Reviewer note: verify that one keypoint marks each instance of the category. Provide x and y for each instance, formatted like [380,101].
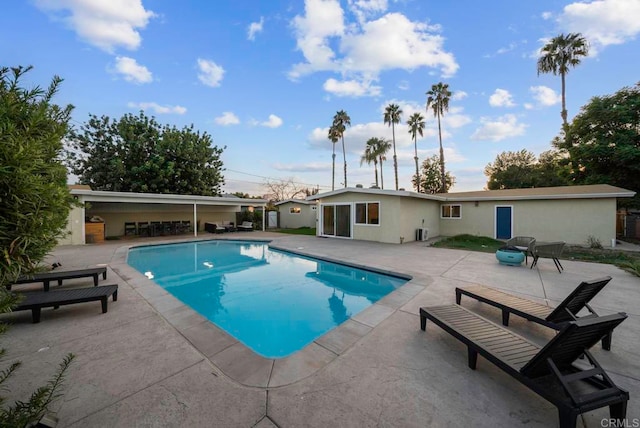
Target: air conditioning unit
[422,234]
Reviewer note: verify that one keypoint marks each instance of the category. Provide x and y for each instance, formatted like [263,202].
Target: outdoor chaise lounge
[551,250]
[59,275]
[36,300]
[245,226]
[550,317]
[550,371]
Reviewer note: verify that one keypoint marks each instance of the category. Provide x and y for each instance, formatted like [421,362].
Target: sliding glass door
[336,220]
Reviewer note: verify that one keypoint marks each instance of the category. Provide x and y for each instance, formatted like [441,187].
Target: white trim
[320,229]
[366,213]
[495,220]
[161,198]
[451,217]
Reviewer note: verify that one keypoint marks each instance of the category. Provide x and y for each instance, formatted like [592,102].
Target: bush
[594,242]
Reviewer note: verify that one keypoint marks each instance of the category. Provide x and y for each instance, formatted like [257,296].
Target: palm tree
[416,125]
[340,122]
[438,100]
[370,155]
[333,136]
[392,116]
[382,148]
[561,53]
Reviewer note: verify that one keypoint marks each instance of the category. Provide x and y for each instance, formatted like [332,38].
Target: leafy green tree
[34,209]
[333,137]
[438,100]
[517,170]
[340,122]
[391,117]
[558,56]
[603,141]
[431,178]
[370,156]
[137,154]
[416,127]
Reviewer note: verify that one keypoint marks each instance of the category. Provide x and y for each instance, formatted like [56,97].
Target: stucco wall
[413,212]
[569,220]
[116,214]
[75,225]
[306,218]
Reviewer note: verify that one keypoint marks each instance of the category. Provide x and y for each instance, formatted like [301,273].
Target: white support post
[195,219]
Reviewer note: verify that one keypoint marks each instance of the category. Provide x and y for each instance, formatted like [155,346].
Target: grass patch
[299,231]
[471,243]
[628,261]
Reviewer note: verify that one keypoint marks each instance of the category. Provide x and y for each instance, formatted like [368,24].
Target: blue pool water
[272,301]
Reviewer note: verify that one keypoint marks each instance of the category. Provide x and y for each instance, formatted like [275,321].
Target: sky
[265,78]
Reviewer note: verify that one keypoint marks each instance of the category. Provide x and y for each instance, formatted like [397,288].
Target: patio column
[195,219]
[264,218]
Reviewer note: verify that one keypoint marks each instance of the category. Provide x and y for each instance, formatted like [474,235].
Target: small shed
[297,213]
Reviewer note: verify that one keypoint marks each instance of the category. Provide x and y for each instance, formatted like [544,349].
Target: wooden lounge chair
[548,371]
[36,300]
[550,317]
[59,275]
[550,250]
[246,226]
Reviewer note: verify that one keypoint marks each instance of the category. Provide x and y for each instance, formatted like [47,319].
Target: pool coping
[237,361]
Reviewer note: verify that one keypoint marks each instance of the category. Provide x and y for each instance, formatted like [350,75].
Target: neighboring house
[568,213]
[117,208]
[296,213]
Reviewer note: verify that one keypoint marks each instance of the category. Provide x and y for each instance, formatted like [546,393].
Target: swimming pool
[272,301]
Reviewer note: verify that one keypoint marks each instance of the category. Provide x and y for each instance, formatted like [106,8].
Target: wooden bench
[36,300]
[549,371]
[60,275]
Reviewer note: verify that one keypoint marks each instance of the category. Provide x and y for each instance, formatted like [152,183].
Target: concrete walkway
[138,366]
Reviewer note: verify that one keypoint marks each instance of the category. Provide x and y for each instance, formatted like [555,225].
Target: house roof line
[295,201]
[158,198]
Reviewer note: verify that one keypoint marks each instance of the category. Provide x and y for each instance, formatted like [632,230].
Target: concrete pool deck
[150,362]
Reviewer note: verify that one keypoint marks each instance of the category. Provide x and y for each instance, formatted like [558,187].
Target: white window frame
[295,208]
[320,219]
[367,213]
[450,217]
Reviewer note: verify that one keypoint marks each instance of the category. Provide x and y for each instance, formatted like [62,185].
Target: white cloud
[303,167]
[358,45]
[105,24]
[227,118]
[459,95]
[546,15]
[403,85]
[157,108]
[528,106]
[544,95]
[210,73]
[255,28]
[603,22]
[351,88]
[273,122]
[501,98]
[506,126]
[132,71]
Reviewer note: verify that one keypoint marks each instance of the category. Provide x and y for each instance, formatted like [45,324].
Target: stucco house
[118,208]
[296,213]
[567,213]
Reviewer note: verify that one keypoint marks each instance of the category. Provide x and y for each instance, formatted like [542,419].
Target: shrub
[594,242]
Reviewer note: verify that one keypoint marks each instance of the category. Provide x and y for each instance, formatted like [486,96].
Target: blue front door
[503,222]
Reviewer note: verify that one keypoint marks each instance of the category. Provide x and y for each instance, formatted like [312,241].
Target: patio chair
[523,243]
[549,250]
[549,371]
[143,228]
[130,228]
[246,226]
[554,318]
[60,275]
[36,300]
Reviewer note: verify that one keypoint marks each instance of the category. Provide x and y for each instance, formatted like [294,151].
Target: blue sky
[265,78]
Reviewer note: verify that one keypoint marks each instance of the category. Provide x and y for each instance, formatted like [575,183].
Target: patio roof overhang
[159,198]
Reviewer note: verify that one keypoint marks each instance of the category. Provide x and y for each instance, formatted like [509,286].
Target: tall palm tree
[416,126]
[392,115]
[333,136]
[438,100]
[561,53]
[370,155]
[382,148]
[340,122]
